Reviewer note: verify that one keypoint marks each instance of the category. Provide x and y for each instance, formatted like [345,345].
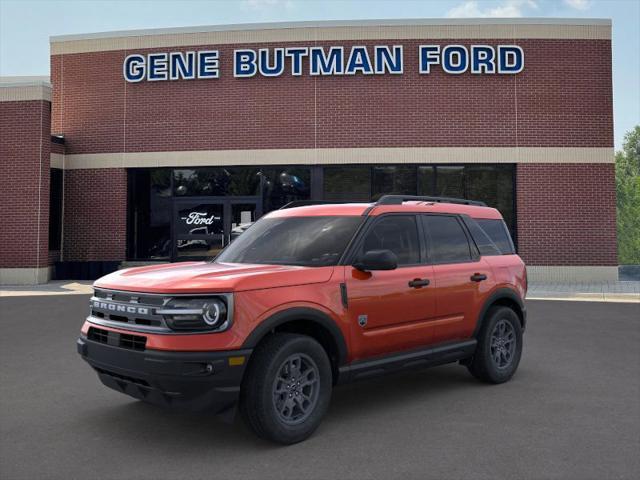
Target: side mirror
[377,260]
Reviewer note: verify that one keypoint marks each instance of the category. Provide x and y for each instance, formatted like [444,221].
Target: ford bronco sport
[310,297]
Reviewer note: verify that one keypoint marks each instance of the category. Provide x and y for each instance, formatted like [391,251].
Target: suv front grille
[133,342]
[98,335]
[134,310]
[115,339]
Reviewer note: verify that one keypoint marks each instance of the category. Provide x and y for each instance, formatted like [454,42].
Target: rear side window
[497,231]
[447,241]
[484,243]
[397,233]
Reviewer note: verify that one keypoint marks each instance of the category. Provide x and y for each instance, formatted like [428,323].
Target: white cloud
[266,4]
[578,4]
[507,8]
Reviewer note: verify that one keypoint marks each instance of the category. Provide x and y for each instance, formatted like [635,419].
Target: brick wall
[95,214]
[24,196]
[566,214]
[57,148]
[562,98]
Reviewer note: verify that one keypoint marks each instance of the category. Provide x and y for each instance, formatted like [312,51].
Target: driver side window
[398,233]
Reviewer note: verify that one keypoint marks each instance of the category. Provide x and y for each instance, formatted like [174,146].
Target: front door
[391,310]
[202,226]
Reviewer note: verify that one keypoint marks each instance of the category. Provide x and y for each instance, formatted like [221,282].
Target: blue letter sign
[324,61]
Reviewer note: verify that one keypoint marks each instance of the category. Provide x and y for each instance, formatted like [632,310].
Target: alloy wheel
[503,344]
[296,388]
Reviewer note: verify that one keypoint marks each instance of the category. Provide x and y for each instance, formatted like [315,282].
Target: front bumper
[191,380]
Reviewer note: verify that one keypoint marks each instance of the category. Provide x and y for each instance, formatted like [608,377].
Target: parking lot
[572,411]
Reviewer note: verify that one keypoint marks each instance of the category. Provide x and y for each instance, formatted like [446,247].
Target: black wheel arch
[503,297]
[307,321]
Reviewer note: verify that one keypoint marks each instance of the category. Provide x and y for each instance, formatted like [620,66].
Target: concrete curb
[589,297]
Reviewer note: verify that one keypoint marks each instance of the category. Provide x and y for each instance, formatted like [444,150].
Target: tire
[496,358]
[277,408]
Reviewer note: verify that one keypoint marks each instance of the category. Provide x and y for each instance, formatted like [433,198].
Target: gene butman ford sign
[327,61]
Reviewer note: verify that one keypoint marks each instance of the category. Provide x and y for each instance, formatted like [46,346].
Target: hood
[207,277]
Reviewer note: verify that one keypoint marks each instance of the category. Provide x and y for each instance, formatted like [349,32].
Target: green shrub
[628,198]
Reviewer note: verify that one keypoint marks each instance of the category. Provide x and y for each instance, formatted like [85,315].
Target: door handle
[478,277]
[419,282]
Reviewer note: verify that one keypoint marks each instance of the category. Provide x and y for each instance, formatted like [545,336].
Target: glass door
[242,215]
[203,227]
[198,229]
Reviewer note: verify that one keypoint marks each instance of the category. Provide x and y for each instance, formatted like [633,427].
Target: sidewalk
[626,292]
[55,287]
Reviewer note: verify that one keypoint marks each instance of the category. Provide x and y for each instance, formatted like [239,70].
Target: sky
[25,26]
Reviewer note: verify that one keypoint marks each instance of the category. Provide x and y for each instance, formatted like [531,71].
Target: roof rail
[306,203]
[399,199]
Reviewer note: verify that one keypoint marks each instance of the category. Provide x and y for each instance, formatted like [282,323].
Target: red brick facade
[24,196]
[57,148]
[562,98]
[566,214]
[95,217]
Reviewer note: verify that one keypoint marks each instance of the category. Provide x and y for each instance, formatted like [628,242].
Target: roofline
[22,81]
[333,23]
[25,89]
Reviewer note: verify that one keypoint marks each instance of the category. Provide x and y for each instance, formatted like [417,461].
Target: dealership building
[153,145]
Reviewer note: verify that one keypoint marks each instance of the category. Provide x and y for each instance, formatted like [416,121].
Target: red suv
[310,297]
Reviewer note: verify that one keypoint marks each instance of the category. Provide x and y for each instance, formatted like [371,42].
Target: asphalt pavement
[571,411]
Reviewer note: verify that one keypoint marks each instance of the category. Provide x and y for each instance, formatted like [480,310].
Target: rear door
[390,310]
[461,277]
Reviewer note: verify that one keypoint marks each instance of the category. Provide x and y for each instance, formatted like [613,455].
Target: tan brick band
[24,93]
[338,156]
[333,31]
[57,160]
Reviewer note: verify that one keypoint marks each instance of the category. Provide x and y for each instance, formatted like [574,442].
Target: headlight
[214,312]
[196,314]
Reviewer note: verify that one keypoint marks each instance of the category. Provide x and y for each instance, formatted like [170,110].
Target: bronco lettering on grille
[116,307]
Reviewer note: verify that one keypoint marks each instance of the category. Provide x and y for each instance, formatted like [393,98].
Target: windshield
[305,241]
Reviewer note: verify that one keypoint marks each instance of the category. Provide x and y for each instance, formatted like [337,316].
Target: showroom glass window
[281,185]
[149,214]
[152,193]
[347,183]
[490,183]
[450,181]
[393,179]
